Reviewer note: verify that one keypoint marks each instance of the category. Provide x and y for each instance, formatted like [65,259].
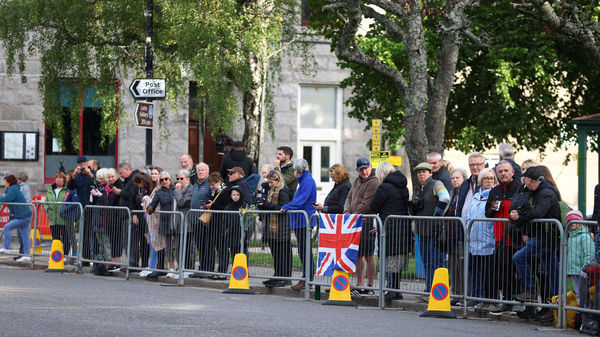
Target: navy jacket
[334,202]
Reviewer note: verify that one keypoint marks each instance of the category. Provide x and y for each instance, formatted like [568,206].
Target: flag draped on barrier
[339,238]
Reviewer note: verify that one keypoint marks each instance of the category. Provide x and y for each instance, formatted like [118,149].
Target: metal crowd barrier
[64,219]
[480,256]
[15,241]
[408,265]
[166,231]
[104,236]
[325,281]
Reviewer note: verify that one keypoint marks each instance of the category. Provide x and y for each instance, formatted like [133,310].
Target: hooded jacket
[237,158]
[539,204]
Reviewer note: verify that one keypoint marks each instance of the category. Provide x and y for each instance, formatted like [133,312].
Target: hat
[238,144]
[424,166]
[574,215]
[237,169]
[535,173]
[81,159]
[362,163]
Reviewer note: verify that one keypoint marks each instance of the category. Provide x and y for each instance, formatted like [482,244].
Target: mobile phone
[314,203]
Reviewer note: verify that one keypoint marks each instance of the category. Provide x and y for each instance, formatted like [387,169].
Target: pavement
[410,303]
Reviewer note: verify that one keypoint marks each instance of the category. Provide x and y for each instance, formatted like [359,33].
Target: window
[64,158]
[318,107]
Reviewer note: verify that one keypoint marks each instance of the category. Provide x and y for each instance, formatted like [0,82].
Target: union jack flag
[339,238]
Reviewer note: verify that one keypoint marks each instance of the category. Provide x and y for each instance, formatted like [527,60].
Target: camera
[416,203]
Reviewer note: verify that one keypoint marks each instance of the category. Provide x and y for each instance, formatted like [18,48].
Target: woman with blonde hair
[277,229]
[334,202]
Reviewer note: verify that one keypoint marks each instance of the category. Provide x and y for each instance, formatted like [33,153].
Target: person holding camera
[85,179]
[430,198]
[498,206]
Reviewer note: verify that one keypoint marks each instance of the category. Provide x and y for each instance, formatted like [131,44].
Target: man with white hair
[439,171]
[507,152]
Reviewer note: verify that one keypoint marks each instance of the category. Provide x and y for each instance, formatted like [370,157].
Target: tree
[226,46]
[410,51]
[576,21]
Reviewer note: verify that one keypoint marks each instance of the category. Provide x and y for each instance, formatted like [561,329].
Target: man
[236,177]
[283,164]
[84,179]
[538,200]
[439,170]
[430,198]
[498,206]
[358,202]
[127,198]
[305,196]
[200,233]
[469,187]
[187,163]
[94,164]
[507,152]
[237,157]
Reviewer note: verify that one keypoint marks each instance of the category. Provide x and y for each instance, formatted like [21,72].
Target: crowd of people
[514,259]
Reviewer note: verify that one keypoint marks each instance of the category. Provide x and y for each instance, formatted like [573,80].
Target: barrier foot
[342,303]
[438,314]
[238,291]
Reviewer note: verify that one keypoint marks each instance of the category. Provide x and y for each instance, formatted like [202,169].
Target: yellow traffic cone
[439,298]
[56,262]
[38,242]
[339,294]
[238,283]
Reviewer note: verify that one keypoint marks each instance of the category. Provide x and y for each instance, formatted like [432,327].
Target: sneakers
[23,259]
[3,251]
[144,273]
[517,309]
[501,310]
[526,296]
[199,275]
[355,292]
[484,307]
[529,312]
[299,286]
[367,292]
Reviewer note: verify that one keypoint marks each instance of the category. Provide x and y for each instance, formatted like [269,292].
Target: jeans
[432,258]
[535,249]
[22,225]
[301,237]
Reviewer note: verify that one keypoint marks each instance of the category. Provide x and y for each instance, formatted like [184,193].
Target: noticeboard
[17,145]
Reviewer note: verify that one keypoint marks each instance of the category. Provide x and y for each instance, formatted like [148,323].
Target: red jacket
[503,193]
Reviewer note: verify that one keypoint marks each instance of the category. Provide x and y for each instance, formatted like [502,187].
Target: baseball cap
[81,159]
[535,173]
[362,163]
[237,169]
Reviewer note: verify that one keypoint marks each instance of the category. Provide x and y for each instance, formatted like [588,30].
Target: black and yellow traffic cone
[339,294]
[238,283]
[439,298]
[56,262]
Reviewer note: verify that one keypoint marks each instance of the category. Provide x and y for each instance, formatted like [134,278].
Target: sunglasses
[232,173]
[180,178]
[164,179]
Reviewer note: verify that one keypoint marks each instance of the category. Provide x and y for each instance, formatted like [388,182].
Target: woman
[22,178]
[183,198]
[115,229]
[482,240]
[19,218]
[391,198]
[102,196]
[277,229]
[148,188]
[455,236]
[165,197]
[217,227]
[334,202]
[57,192]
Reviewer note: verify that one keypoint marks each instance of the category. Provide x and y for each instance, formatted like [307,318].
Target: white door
[320,155]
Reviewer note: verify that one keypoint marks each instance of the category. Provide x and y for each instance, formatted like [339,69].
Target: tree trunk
[251,109]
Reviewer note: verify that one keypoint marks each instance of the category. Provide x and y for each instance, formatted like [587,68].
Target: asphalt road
[34,303]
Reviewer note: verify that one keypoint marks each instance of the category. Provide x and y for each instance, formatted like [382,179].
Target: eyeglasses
[475,164]
[164,179]
[178,178]
[488,178]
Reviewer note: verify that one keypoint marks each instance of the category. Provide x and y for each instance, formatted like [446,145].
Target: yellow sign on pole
[378,157]
[376,140]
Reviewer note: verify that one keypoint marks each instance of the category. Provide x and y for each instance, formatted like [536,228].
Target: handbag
[205,217]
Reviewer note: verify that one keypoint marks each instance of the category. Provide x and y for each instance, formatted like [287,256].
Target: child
[581,248]
[233,220]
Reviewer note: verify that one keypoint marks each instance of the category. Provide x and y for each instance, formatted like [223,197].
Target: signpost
[145,88]
[144,114]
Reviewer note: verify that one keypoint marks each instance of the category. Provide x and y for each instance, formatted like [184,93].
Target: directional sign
[142,88]
[144,114]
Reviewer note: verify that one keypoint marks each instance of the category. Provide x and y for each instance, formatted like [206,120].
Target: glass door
[320,156]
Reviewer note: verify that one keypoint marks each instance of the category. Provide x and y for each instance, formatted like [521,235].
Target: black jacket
[237,158]
[391,198]
[543,205]
[443,176]
[596,213]
[334,202]
[129,193]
